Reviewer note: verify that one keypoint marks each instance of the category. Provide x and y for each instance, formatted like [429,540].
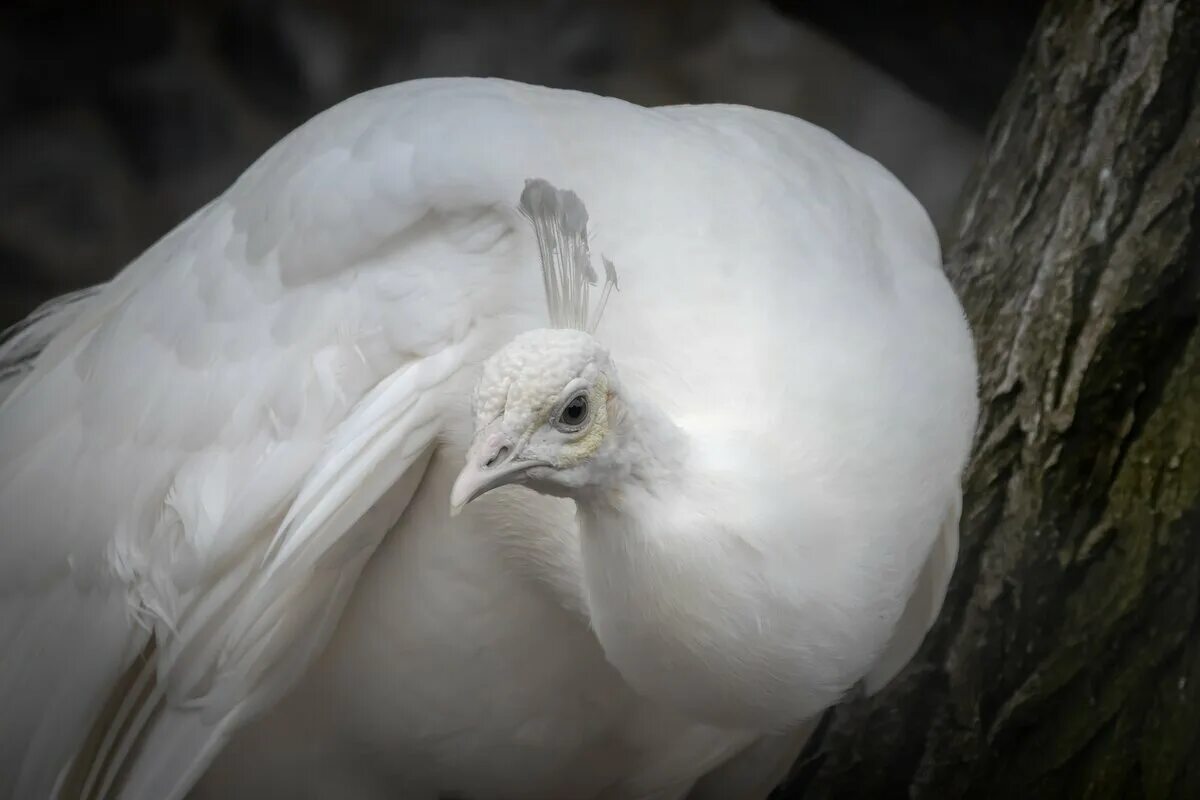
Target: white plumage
[257,424]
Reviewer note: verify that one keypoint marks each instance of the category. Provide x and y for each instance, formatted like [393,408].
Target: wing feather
[924,604]
[20,344]
[201,455]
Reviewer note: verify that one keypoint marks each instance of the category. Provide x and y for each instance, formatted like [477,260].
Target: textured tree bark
[1066,662]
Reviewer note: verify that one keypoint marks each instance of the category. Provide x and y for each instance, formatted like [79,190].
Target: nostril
[500,455]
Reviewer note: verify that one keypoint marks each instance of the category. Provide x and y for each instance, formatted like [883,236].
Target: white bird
[227,560]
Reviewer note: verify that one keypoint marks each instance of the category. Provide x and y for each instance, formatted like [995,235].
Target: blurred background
[118,119]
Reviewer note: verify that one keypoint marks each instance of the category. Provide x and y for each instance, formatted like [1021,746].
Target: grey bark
[1067,659]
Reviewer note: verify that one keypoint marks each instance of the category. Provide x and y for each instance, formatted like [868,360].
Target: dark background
[118,119]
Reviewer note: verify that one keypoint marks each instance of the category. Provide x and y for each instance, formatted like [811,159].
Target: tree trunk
[1066,663]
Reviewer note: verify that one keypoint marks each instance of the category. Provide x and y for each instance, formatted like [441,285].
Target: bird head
[543,405]
[543,410]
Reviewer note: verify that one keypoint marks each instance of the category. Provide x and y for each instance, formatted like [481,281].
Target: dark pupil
[574,411]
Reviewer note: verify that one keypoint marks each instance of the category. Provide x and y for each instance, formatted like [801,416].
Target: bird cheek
[585,447]
[540,475]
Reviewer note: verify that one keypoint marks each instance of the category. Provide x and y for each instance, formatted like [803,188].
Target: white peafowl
[228,561]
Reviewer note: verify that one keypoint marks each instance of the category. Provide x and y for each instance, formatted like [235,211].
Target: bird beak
[491,462]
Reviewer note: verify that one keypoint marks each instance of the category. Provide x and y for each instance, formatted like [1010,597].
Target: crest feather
[560,222]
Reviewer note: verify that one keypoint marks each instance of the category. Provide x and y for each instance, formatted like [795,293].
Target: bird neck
[657,572]
[704,597]
[644,454]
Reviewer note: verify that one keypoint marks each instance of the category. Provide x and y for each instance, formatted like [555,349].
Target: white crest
[560,222]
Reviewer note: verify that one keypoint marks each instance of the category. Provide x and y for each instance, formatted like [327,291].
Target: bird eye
[574,413]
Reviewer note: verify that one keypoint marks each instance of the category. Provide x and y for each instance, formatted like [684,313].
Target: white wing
[924,604]
[207,450]
[763,765]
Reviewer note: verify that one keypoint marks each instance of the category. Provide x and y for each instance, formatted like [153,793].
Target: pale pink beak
[491,462]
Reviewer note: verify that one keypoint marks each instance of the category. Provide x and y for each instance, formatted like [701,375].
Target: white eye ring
[573,415]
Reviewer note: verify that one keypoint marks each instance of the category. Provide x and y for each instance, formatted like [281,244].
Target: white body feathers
[256,425]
